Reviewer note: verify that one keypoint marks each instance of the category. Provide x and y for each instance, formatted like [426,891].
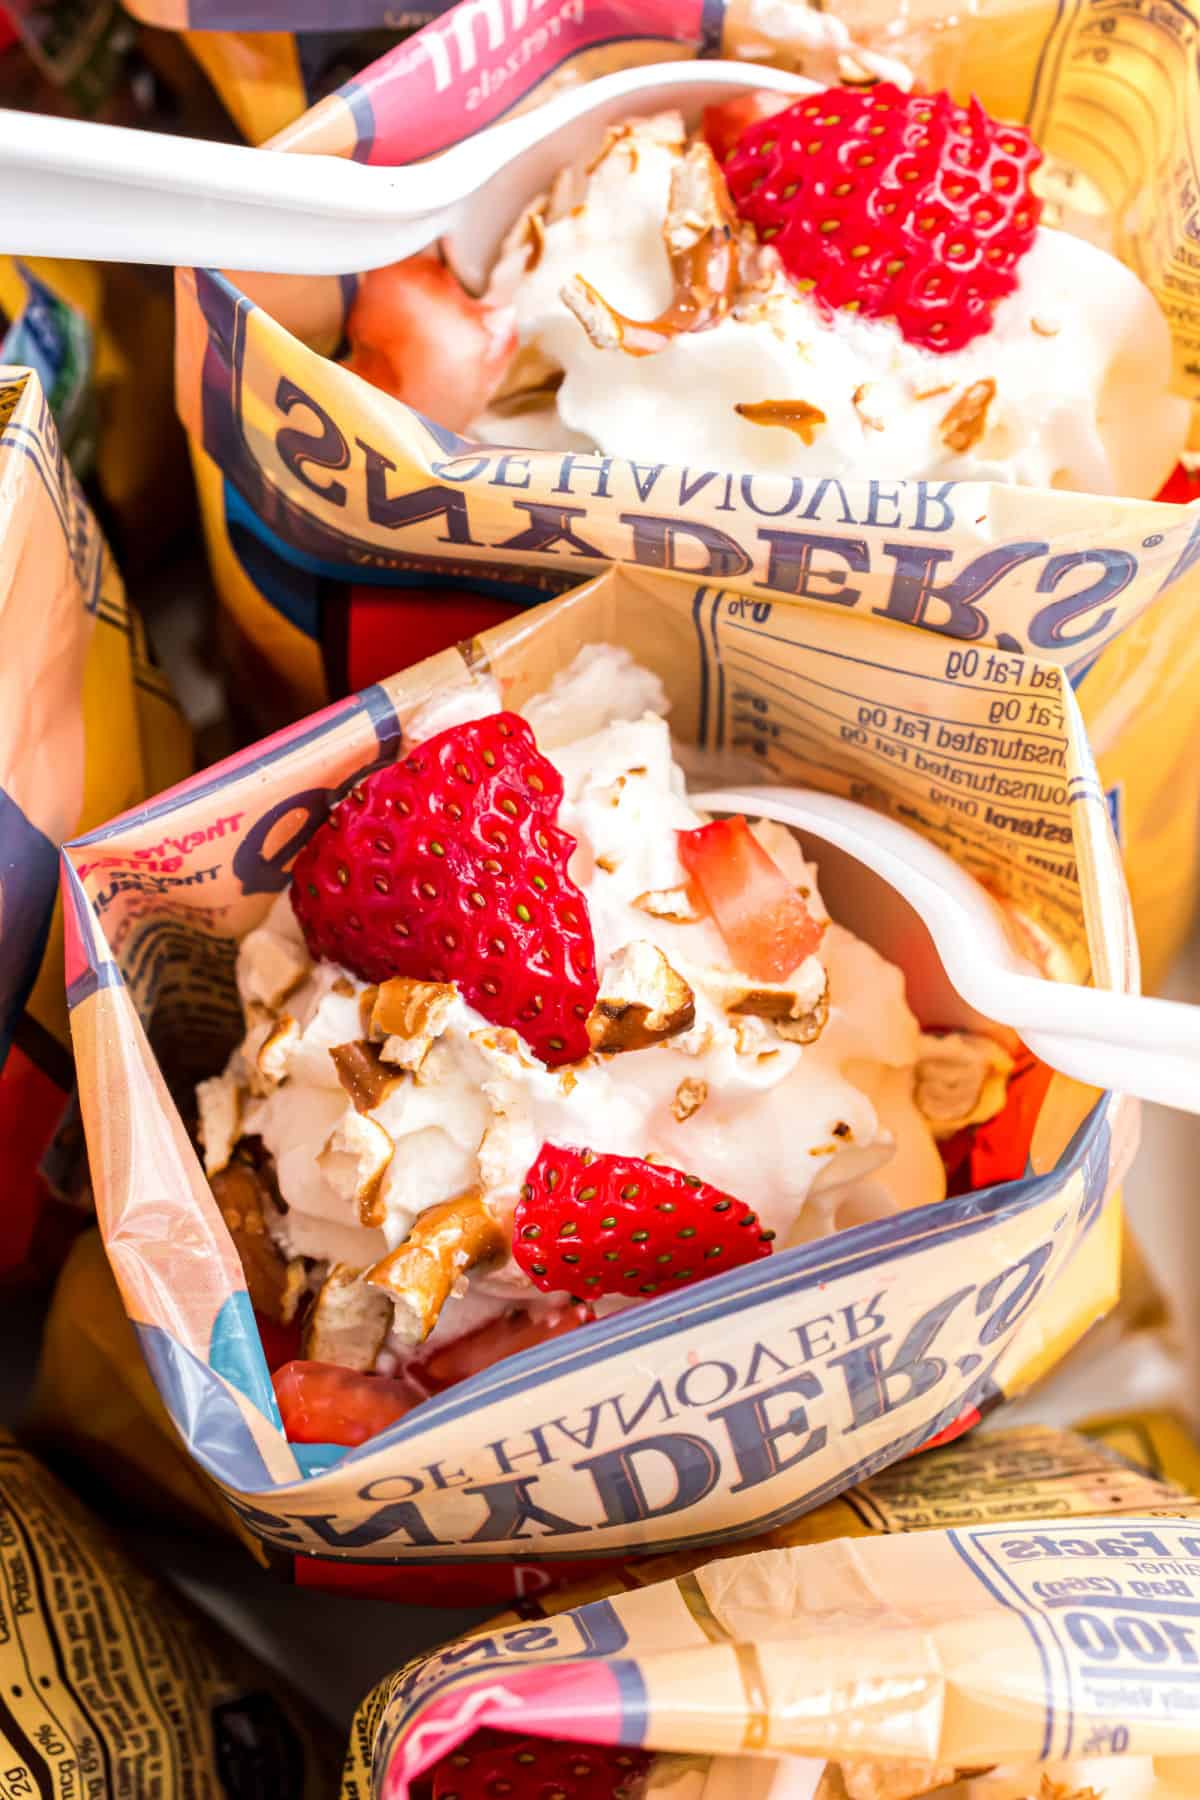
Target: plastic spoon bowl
[1128,1042]
[68,188]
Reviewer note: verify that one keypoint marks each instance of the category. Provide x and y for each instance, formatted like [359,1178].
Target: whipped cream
[814,1134]
[1069,388]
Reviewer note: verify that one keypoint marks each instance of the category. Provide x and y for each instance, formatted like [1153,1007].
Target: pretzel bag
[996,1660]
[691,1419]
[89,727]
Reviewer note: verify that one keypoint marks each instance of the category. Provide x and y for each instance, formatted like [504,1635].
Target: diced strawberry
[595,1225]
[725,122]
[322,1403]
[449,866]
[904,206]
[507,1336]
[768,930]
[491,1765]
[416,333]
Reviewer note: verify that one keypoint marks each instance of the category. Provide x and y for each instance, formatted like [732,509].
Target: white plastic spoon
[68,188]
[1128,1042]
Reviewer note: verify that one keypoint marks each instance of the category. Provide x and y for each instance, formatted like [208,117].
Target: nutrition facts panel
[1114,1608]
[980,749]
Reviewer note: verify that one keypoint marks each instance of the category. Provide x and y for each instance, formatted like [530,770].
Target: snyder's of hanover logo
[732,1407]
[869,545]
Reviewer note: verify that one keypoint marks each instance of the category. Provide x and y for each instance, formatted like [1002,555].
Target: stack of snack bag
[651,379]
[89,728]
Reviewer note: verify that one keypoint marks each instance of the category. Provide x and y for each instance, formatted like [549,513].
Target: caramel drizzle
[701,237]
[794,415]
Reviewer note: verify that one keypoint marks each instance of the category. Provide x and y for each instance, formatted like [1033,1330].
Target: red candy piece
[767,928]
[904,205]
[494,1766]
[617,1225]
[449,866]
[322,1403]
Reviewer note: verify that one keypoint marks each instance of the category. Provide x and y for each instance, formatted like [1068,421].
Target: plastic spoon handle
[69,188]
[1136,1044]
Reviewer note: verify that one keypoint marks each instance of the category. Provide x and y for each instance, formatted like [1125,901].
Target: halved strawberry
[725,122]
[903,206]
[416,333]
[449,866]
[767,928]
[493,1766]
[322,1403]
[593,1225]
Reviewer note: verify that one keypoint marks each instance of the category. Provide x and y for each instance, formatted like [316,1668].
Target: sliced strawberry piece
[449,866]
[493,1766]
[416,333]
[725,122]
[506,1336]
[593,1225]
[322,1403]
[905,206]
[767,928]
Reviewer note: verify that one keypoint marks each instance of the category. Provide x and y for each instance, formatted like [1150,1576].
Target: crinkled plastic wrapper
[89,726]
[1021,1600]
[349,536]
[113,1685]
[700,1418]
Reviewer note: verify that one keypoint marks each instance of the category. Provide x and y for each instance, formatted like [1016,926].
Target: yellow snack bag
[1013,1658]
[113,1685]
[769,1390]
[89,728]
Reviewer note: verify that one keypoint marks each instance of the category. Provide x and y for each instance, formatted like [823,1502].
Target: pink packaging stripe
[469,68]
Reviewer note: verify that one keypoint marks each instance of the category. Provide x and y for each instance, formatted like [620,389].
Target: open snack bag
[670,360]
[1018,1659]
[89,727]
[909,1224]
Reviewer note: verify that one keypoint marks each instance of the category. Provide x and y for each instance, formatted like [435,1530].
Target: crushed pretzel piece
[690,1096]
[703,242]
[272,1058]
[349,1321]
[961,1079]
[220,1114]
[245,1201]
[409,1015]
[668,903]
[421,1273]
[964,423]
[364,1076]
[270,967]
[354,1162]
[781,1002]
[641,1001]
